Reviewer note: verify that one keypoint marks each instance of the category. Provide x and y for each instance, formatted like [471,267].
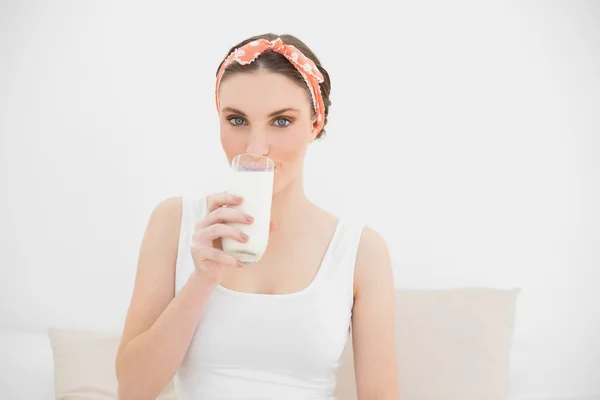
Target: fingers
[225,215]
[214,226]
[213,255]
[216,231]
[217,200]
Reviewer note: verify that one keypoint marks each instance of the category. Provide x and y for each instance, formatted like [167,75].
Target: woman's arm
[373,335]
[159,325]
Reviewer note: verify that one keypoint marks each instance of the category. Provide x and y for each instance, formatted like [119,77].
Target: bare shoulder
[154,284]
[373,321]
[162,231]
[372,243]
[373,264]
[168,211]
[161,238]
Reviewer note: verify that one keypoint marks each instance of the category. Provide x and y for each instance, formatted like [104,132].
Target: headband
[307,68]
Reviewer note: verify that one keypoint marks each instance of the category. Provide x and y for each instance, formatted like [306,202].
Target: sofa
[451,344]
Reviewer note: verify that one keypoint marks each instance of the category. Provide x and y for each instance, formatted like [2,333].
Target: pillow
[451,344]
[84,366]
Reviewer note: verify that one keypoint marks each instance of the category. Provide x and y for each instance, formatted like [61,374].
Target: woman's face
[269,114]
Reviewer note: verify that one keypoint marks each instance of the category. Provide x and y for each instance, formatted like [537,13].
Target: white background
[468,134]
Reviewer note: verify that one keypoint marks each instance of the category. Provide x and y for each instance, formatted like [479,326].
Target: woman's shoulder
[373,261]
[174,210]
[372,243]
[368,237]
[372,265]
[167,210]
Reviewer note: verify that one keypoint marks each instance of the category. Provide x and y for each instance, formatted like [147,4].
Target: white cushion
[84,366]
[451,344]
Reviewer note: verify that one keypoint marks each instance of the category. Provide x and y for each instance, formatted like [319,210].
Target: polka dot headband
[307,68]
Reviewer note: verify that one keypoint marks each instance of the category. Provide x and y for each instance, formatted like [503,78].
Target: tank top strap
[341,257]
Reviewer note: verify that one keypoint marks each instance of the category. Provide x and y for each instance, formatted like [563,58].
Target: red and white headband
[307,68]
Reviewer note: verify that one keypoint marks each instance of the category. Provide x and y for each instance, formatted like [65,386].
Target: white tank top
[269,346]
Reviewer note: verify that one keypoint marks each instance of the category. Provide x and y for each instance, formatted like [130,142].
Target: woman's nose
[257,144]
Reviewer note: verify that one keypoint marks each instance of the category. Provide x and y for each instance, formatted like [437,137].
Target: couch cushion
[84,365]
[451,344]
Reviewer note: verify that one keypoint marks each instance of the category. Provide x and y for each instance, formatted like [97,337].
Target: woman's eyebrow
[274,113]
[235,111]
[283,110]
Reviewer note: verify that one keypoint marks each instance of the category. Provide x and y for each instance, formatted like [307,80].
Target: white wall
[468,134]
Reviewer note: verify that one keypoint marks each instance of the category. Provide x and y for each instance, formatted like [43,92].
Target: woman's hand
[207,251]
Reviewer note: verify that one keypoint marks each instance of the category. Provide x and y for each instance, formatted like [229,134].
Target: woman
[277,328]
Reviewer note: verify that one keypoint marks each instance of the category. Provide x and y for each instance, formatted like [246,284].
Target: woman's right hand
[207,250]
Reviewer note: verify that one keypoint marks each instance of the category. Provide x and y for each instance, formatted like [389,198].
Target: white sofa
[451,344]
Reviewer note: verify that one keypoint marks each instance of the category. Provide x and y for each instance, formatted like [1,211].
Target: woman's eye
[236,121]
[282,122]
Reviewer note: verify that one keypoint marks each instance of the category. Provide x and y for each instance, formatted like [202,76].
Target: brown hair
[277,63]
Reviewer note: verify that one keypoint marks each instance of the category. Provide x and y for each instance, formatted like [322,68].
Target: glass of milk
[252,178]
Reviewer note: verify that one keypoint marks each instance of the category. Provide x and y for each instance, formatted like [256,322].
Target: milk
[256,188]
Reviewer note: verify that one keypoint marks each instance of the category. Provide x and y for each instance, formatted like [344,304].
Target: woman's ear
[313,132]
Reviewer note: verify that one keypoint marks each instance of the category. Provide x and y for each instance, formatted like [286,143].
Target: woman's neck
[289,204]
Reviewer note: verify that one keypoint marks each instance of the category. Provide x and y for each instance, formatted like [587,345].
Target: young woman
[275,329]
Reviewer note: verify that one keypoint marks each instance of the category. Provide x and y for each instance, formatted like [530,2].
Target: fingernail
[237,198]
[240,264]
[244,236]
[249,218]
